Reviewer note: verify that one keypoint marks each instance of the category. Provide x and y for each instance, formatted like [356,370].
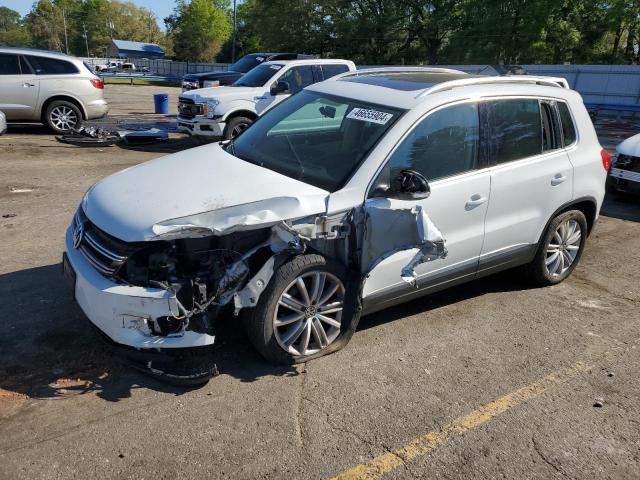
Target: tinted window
[9,64]
[246,63]
[445,143]
[298,78]
[51,66]
[516,129]
[331,70]
[550,127]
[568,129]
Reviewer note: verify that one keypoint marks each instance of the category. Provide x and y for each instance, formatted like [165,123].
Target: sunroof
[407,81]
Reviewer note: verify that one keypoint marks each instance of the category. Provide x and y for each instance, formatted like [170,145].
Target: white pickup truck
[227,111]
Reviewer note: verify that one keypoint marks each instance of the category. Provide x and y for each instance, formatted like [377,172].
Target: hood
[228,93]
[136,204]
[228,75]
[631,146]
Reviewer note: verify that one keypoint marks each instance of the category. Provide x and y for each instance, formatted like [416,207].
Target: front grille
[627,162]
[188,109]
[105,253]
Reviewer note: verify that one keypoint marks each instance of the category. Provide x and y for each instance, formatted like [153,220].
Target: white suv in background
[55,89]
[358,193]
[227,111]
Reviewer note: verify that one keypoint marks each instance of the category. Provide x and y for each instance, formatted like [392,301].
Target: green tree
[199,28]
[12,30]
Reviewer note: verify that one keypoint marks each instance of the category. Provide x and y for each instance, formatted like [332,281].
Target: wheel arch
[587,205]
[66,98]
[241,113]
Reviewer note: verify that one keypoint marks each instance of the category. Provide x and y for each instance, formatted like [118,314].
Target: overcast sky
[161,8]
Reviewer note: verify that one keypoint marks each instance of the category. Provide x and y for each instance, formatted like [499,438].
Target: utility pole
[66,40]
[86,41]
[233,40]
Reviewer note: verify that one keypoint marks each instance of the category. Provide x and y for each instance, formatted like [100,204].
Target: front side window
[516,129]
[329,71]
[297,78]
[9,64]
[259,76]
[315,138]
[443,144]
[568,128]
[50,66]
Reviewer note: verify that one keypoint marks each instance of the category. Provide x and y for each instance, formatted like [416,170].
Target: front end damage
[166,296]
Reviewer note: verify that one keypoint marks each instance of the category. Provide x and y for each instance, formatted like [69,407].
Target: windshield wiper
[296,156]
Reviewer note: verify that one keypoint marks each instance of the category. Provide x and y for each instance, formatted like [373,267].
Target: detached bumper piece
[179,367]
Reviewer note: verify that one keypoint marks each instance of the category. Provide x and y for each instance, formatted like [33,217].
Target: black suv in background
[192,81]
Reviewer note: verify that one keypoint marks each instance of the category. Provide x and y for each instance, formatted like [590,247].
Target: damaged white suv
[357,193]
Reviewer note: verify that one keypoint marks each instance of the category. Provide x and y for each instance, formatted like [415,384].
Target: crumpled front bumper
[119,310]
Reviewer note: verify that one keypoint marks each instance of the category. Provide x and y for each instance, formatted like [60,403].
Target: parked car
[3,123]
[624,176]
[128,67]
[193,81]
[227,111]
[358,193]
[108,67]
[52,88]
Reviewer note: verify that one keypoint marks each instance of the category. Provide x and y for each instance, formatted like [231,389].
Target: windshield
[246,63]
[318,139]
[258,77]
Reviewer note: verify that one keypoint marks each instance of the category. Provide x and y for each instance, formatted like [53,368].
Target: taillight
[606,159]
[97,82]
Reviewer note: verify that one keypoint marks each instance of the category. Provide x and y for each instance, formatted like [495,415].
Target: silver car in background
[55,89]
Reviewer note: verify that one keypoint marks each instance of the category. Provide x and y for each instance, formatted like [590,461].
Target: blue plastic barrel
[161,102]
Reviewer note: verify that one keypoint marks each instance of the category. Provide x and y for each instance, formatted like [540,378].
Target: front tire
[62,116]
[299,316]
[236,126]
[560,248]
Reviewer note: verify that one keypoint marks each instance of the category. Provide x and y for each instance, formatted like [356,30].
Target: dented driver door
[443,148]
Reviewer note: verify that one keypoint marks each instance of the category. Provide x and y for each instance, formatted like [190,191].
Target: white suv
[48,87]
[227,111]
[358,193]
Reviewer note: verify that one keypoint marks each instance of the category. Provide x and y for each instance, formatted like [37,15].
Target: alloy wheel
[64,118]
[308,315]
[563,247]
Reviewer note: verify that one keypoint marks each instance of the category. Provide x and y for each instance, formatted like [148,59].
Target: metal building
[127,49]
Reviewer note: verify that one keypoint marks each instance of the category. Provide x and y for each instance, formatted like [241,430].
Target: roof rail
[548,81]
[382,70]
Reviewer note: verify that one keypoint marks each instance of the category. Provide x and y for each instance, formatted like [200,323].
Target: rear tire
[62,116]
[311,329]
[236,126]
[560,248]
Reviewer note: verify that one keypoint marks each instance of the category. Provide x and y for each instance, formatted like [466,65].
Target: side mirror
[280,88]
[409,185]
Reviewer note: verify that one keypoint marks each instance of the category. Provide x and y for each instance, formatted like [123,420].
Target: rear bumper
[623,181]
[201,128]
[97,109]
[119,310]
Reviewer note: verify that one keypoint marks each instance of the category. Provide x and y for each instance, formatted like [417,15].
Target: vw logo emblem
[78,233]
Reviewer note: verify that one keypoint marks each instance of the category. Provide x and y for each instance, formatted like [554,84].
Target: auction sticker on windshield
[367,115]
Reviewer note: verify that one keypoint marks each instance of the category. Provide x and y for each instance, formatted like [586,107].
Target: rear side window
[551,138]
[9,64]
[50,66]
[516,129]
[568,128]
[329,71]
[445,143]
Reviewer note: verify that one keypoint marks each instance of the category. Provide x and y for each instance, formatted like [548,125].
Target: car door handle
[474,201]
[558,179]
[27,84]
[263,97]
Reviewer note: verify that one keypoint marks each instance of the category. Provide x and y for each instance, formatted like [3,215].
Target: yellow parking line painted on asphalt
[385,463]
